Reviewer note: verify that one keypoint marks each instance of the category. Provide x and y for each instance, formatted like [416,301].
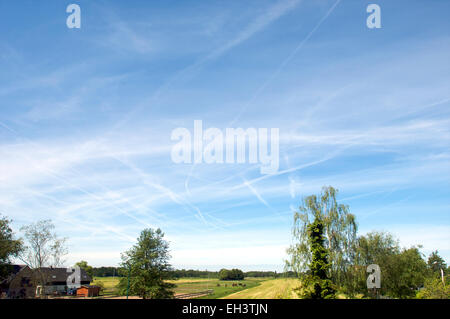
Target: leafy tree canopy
[403,271]
[339,234]
[9,246]
[88,269]
[436,263]
[148,265]
[233,274]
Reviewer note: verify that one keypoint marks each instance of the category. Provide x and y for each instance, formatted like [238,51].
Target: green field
[109,284]
[191,285]
[269,289]
[256,288]
[221,288]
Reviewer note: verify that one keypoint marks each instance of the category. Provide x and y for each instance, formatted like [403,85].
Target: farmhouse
[24,282]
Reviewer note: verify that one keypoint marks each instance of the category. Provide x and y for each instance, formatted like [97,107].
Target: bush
[434,289]
[100,284]
[233,274]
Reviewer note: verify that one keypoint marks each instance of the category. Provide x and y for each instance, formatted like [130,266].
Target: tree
[435,289]
[223,274]
[436,263]
[84,265]
[403,271]
[339,235]
[316,285]
[101,285]
[373,248]
[106,272]
[9,247]
[148,265]
[406,273]
[233,274]
[43,247]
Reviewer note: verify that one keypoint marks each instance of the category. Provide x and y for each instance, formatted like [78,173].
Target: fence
[195,294]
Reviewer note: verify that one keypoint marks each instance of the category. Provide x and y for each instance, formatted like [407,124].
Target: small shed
[88,291]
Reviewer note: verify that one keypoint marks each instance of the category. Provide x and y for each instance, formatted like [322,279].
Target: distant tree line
[272,274]
[183,273]
[177,273]
[190,273]
[106,272]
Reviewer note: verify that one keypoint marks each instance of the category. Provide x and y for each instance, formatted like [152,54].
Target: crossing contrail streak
[285,61]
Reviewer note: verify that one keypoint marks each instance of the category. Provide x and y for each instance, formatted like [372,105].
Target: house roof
[61,274]
[51,274]
[13,271]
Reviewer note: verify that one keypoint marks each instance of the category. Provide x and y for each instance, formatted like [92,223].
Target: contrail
[286,61]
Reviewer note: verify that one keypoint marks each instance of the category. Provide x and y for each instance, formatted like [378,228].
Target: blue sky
[86,117]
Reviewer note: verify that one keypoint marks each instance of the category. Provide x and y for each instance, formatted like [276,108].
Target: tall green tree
[436,263]
[339,234]
[317,284]
[372,248]
[9,246]
[148,265]
[403,274]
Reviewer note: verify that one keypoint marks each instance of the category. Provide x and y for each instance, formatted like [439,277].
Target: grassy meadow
[281,288]
[190,285]
[223,288]
[109,284]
